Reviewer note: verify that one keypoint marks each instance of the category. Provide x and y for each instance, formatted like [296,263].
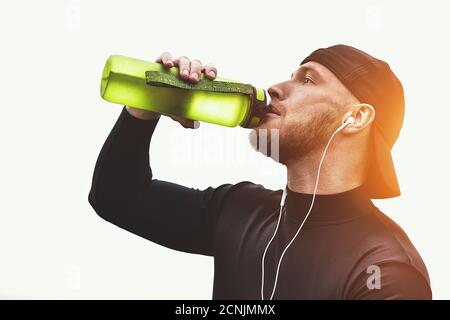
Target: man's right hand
[190,71]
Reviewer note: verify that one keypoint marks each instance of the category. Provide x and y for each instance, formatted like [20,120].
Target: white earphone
[349,121]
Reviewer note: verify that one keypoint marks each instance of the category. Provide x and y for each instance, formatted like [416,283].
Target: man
[347,248]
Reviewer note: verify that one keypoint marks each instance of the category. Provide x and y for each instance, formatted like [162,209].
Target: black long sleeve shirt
[343,248]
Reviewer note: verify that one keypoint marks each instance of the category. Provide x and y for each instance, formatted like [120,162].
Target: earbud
[350,120]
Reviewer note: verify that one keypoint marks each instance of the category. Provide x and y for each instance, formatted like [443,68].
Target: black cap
[371,81]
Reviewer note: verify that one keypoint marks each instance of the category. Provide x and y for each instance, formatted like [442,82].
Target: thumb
[186,123]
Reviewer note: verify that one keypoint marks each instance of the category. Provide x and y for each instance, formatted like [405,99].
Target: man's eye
[307,80]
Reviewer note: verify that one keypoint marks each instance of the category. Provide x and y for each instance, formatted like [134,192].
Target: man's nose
[275,92]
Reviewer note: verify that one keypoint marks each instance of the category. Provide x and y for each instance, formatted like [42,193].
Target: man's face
[310,107]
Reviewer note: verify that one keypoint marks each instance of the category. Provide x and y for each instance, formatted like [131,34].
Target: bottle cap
[258,109]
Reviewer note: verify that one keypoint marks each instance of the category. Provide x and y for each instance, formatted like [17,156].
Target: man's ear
[364,115]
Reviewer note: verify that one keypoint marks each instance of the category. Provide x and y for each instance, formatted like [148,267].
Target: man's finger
[210,71]
[196,70]
[184,66]
[166,59]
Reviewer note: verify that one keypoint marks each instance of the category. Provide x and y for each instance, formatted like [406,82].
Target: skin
[312,104]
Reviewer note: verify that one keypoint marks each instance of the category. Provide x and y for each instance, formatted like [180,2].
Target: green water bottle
[151,86]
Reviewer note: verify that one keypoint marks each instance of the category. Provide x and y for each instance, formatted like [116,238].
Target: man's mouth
[273,111]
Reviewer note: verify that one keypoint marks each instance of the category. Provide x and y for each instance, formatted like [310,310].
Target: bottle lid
[257,110]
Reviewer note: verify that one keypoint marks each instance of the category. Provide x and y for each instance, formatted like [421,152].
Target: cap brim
[381,180]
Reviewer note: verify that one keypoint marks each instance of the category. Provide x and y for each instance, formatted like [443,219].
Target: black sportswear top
[347,248]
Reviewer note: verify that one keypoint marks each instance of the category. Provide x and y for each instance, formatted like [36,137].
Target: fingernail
[194,76]
[185,72]
[211,73]
[169,63]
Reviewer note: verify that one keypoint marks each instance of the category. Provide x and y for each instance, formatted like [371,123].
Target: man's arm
[124,192]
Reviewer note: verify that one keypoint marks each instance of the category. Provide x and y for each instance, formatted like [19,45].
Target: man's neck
[339,173]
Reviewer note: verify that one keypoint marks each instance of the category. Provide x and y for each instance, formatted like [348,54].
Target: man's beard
[294,140]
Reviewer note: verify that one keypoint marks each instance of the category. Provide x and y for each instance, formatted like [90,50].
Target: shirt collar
[328,208]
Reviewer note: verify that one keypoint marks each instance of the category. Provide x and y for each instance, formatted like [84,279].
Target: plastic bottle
[151,86]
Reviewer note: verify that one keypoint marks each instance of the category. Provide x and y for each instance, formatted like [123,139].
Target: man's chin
[270,121]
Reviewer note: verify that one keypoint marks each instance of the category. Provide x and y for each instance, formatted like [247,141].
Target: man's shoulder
[242,193]
[387,243]
[249,189]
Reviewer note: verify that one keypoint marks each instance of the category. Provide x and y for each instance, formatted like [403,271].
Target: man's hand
[190,71]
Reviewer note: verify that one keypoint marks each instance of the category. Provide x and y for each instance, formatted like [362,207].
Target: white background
[53,124]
